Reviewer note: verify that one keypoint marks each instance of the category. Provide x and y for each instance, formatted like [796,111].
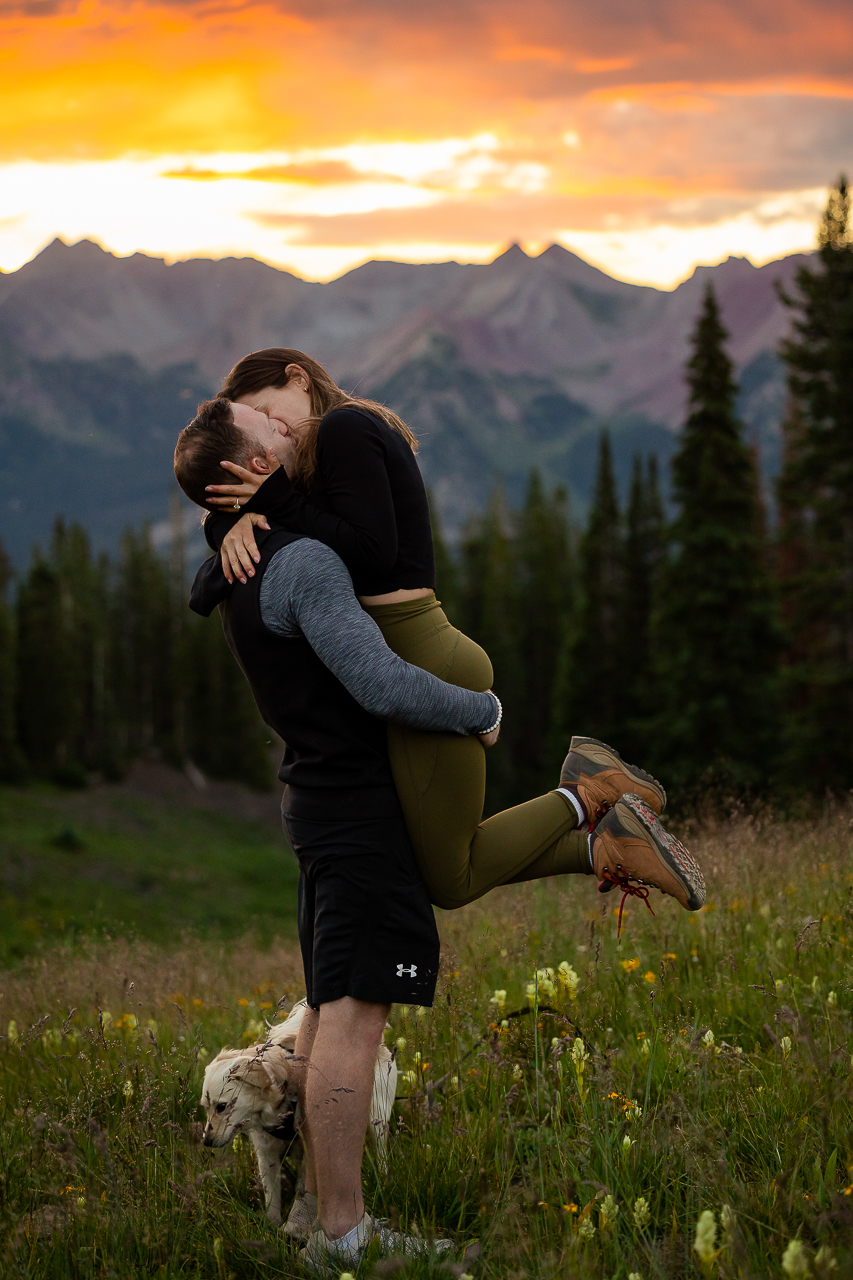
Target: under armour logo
[412,971]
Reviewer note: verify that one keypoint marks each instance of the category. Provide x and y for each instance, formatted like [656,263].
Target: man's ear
[260,466]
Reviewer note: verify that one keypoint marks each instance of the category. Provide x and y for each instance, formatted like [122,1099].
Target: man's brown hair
[211,438]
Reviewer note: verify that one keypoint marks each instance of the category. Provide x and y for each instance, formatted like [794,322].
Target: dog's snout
[207,1136]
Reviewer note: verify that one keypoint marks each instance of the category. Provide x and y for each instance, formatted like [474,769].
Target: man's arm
[306,589]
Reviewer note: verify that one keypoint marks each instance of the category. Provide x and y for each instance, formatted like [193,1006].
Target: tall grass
[575,1121]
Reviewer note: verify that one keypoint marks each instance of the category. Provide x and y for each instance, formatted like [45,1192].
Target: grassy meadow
[575,1104]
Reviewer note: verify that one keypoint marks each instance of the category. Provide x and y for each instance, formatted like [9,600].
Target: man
[324,679]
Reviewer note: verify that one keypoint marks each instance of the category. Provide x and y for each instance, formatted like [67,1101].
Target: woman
[357,488]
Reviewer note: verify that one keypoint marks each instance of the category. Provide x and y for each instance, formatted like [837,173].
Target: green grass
[116,862]
[497,1135]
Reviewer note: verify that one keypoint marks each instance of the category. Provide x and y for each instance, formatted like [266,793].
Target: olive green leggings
[441,779]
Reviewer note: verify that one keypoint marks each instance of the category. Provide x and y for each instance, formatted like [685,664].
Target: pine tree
[595,676]
[12,764]
[488,610]
[645,543]
[717,633]
[224,734]
[447,584]
[46,677]
[816,511]
[545,567]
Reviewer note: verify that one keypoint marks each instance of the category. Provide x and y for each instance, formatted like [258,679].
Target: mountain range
[498,368]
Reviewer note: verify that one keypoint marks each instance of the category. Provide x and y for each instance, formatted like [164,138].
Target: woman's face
[286,407]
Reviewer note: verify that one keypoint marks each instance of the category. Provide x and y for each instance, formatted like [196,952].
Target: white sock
[589,846]
[348,1244]
[583,821]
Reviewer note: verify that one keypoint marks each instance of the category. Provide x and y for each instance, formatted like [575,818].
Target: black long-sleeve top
[367,503]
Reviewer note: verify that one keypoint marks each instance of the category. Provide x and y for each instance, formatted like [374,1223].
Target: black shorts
[366,924]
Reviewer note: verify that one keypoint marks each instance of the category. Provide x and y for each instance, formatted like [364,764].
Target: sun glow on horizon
[317,139]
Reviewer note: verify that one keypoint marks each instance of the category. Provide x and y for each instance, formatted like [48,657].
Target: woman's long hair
[268,368]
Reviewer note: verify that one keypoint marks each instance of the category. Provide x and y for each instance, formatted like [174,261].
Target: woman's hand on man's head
[250,480]
[239,551]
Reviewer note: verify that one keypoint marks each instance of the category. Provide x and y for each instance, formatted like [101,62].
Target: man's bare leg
[300,1067]
[338,1089]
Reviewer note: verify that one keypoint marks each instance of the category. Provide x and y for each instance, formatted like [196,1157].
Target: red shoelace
[629,890]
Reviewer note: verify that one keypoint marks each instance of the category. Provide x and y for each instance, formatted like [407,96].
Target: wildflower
[242,1002]
[634,1275]
[586,1230]
[708,1039]
[106,1017]
[571,1208]
[454,1080]
[832,999]
[786,1046]
[265,1004]
[650,976]
[237,1144]
[670,955]
[417,1057]
[795,1260]
[633,1110]
[824,1261]
[81,1202]
[642,1213]
[779,984]
[499,998]
[410,1079]
[422,1011]
[579,1054]
[645,1049]
[348,1275]
[727,1222]
[609,1210]
[401,1043]
[630,965]
[517,1073]
[706,1237]
[127,1090]
[627,1144]
[568,978]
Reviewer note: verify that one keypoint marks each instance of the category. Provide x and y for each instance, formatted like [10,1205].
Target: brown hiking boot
[599,776]
[630,850]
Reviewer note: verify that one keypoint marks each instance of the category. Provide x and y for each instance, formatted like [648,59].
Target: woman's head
[295,390]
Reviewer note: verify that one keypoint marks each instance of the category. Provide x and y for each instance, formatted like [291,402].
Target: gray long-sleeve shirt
[306,590]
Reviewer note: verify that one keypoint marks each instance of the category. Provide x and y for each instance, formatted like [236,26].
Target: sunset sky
[647,135]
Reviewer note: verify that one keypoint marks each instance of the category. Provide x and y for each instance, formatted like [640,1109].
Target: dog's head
[243,1088]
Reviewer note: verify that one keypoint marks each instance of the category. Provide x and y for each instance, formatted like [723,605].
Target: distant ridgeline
[499,369]
[709,645]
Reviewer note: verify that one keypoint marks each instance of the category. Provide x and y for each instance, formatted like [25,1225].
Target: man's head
[224,432]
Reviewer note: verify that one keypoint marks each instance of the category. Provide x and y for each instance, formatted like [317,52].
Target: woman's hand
[239,550]
[227,495]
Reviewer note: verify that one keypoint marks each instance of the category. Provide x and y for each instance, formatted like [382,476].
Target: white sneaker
[327,1257]
[302,1218]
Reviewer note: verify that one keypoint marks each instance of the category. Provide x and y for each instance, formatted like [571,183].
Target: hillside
[499,368]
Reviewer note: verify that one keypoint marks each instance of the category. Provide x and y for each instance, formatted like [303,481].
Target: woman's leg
[441,780]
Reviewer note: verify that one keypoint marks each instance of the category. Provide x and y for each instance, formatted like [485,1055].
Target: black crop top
[367,503]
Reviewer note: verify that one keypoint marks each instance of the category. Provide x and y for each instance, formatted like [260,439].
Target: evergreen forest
[711,642]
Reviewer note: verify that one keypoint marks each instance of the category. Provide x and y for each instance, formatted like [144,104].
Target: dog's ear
[262,1069]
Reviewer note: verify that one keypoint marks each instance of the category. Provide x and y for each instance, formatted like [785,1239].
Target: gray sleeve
[307,590]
